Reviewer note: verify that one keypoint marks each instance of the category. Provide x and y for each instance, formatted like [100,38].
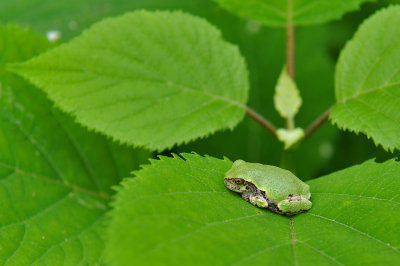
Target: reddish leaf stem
[261,120]
[290,49]
[317,123]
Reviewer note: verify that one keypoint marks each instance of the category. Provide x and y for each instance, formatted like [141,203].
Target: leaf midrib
[182,87]
[293,235]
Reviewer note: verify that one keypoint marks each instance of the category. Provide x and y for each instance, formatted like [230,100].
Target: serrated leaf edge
[149,146]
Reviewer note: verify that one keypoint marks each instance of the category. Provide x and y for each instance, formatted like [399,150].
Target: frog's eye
[238,181]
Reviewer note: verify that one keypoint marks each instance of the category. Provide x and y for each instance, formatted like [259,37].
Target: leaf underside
[152,79]
[186,215]
[368,80]
[304,12]
[55,177]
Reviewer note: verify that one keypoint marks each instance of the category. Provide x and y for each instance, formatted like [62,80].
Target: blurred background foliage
[317,50]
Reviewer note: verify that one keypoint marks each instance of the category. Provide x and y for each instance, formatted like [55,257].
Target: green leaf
[303,12]
[70,17]
[287,98]
[177,211]
[13,45]
[55,177]
[149,79]
[368,80]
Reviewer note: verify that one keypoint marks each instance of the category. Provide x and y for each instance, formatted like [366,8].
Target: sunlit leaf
[149,79]
[178,211]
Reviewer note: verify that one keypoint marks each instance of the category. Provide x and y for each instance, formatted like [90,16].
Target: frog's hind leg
[246,197]
[256,200]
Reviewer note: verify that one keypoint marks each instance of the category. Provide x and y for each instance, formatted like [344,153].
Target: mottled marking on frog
[240,185]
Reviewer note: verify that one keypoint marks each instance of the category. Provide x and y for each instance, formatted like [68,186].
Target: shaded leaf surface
[136,78]
[368,80]
[70,17]
[182,207]
[304,12]
[55,177]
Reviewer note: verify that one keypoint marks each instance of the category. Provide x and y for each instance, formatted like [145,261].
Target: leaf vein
[41,150]
[375,64]
[206,225]
[75,236]
[383,87]
[39,212]
[57,182]
[320,252]
[82,158]
[15,251]
[355,230]
[378,111]
[249,257]
[360,196]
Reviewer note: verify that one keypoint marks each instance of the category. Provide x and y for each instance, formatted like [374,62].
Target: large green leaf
[70,17]
[55,177]
[368,80]
[303,12]
[178,211]
[150,79]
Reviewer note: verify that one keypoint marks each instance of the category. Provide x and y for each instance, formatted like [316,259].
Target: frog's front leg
[256,200]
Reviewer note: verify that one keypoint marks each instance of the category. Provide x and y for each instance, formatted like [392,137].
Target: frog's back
[276,182]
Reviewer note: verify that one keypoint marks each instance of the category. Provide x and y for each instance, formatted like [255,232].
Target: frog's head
[235,184]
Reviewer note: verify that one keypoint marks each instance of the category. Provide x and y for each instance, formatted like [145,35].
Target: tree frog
[267,186]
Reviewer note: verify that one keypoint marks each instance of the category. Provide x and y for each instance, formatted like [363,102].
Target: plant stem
[290,40]
[317,123]
[287,156]
[290,56]
[261,120]
[290,123]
